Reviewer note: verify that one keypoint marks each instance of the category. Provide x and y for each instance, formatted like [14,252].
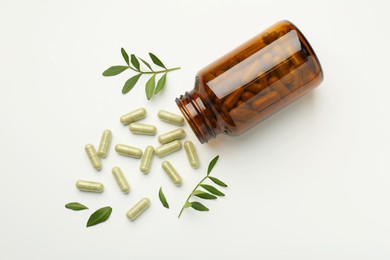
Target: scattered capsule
[191,154]
[138,208]
[93,157]
[171,172]
[146,160]
[168,148]
[170,117]
[128,150]
[104,145]
[172,135]
[120,179]
[133,116]
[90,186]
[142,129]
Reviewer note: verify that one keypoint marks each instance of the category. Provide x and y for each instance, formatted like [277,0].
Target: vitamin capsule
[172,135]
[121,179]
[133,116]
[146,160]
[104,145]
[242,113]
[259,85]
[232,99]
[246,95]
[171,172]
[191,154]
[168,148]
[142,129]
[170,117]
[138,208]
[93,157]
[128,150]
[265,101]
[90,186]
[278,85]
[292,80]
[296,60]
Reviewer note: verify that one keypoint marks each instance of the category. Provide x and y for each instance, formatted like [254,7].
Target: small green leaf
[130,83]
[125,56]
[75,206]
[146,64]
[187,204]
[212,164]
[199,206]
[134,61]
[156,60]
[162,198]
[204,195]
[160,84]
[99,216]
[212,190]
[114,70]
[217,181]
[149,87]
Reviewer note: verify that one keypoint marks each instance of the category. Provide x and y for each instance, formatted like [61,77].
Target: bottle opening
[193,108]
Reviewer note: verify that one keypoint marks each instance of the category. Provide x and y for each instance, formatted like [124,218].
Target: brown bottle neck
[194,110]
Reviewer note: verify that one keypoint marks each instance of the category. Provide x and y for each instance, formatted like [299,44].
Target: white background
[312,182]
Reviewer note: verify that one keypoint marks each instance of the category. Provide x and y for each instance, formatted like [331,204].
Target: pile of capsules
[170,142]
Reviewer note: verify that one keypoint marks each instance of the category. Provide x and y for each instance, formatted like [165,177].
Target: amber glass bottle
[252,82]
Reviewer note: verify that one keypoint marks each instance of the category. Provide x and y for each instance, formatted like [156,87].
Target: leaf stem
[197,186]
[154,71]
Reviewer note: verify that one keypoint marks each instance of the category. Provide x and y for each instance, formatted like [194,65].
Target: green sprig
[133,63]
[210,193]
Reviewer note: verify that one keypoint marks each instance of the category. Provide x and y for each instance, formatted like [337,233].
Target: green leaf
[187,204]
[199,206]
[212,164]
[99,216]
[204,195]
[75,206]
[146,64]
[125,56]
[162,198]
[149,87]
[156,60]
[134,61]
[212,190]
[130,83]
[160,84]
[114,70]
[217,181]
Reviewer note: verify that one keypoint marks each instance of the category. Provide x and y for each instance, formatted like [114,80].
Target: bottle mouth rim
[190,109]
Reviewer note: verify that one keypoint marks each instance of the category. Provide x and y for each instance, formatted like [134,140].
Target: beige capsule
[89,186]
[133,116]
[191,154]
[170,117]
[172,135]
[128,150]
[105,143]
[168,148]
[147,158]
[93,157]
[171,172]
[142,129]
[120,179]
[138,208]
